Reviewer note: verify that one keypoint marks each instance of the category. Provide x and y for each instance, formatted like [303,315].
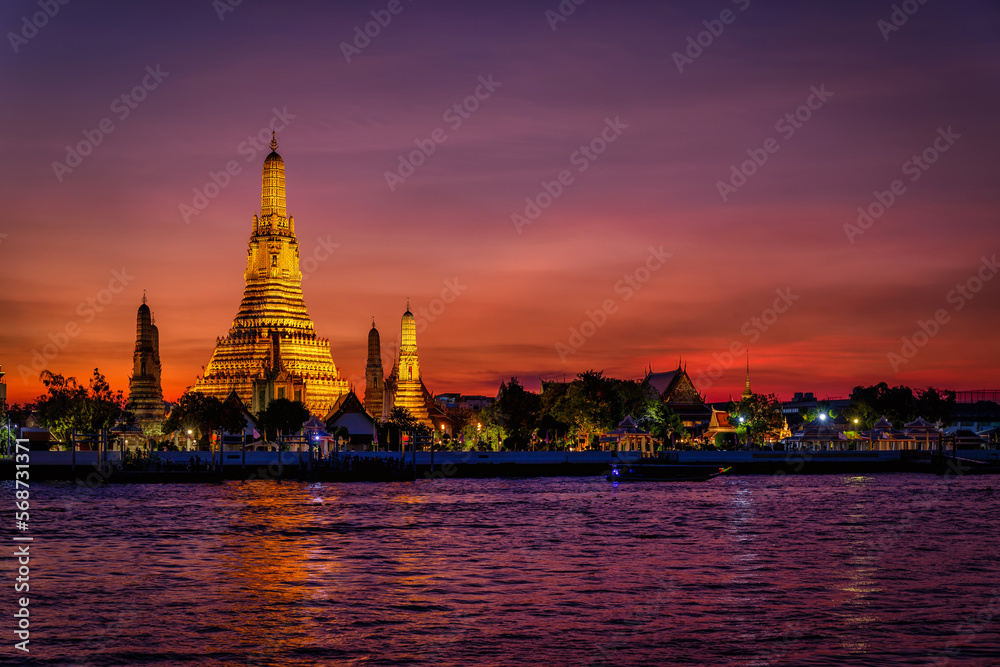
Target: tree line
[563,414]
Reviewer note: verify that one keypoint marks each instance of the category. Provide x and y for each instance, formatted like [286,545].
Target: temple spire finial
[747,392]
[144,296]
[274,141]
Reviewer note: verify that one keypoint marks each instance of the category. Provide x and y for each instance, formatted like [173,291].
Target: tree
[936,406]
[283,415]
[202,414]
[517,412]
[69,406]
[400,421]
[761,414]
[590,404]
[635,398]
[869,404]
[490,427]
[663,422]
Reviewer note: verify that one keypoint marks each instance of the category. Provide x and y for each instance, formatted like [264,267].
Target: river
[893,569]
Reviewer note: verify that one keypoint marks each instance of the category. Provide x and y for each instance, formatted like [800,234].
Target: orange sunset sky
[673,130]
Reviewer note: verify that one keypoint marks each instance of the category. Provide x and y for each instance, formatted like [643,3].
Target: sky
[623,185]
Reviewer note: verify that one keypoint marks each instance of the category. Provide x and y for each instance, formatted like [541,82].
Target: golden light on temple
[272,350]
[406,386]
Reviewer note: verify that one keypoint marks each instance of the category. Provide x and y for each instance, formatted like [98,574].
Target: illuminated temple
[404,388]
[145,395]
[272,350]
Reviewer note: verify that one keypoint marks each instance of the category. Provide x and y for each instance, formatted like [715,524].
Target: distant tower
[145,395]
[408,390]
[374,383]
[747,393]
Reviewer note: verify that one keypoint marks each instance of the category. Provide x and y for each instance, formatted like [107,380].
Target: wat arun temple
[272,350]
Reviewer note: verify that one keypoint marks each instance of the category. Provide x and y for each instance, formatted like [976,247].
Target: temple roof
[921,424]
[661,381]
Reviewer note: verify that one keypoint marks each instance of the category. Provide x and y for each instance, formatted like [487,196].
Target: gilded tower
[145,394]
[272,350]
[747,393]
[407,388]
[374,382]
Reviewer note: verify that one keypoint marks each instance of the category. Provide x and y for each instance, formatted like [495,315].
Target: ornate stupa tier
[272,195]
[273,303]
[272,350]
[408,333]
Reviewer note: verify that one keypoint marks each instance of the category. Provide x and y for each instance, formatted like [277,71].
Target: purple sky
[853,294]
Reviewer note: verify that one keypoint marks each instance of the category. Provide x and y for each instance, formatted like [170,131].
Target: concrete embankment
[92,468]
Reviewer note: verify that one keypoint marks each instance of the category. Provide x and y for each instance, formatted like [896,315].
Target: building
[803,403]
[676,389]
[982,415]
[272,350]
[374,379]
[719,423]
[145,394]
[628,437]
[883,437]
[350,413]
[819,435]
[923,433]
[448,401]
[404,388]
[454,402]
[3,388]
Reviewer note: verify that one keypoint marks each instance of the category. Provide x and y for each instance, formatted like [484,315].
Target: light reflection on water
[861,570]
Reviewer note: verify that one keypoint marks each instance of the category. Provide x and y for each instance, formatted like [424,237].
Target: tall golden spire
[747,393]
[408,335]
[272,192]
[409,392]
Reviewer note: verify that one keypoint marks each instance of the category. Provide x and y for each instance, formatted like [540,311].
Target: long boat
[662,473]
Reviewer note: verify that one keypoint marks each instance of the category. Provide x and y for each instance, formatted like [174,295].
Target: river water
[819,570]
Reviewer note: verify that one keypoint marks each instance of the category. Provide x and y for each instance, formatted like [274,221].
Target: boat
[662,473]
